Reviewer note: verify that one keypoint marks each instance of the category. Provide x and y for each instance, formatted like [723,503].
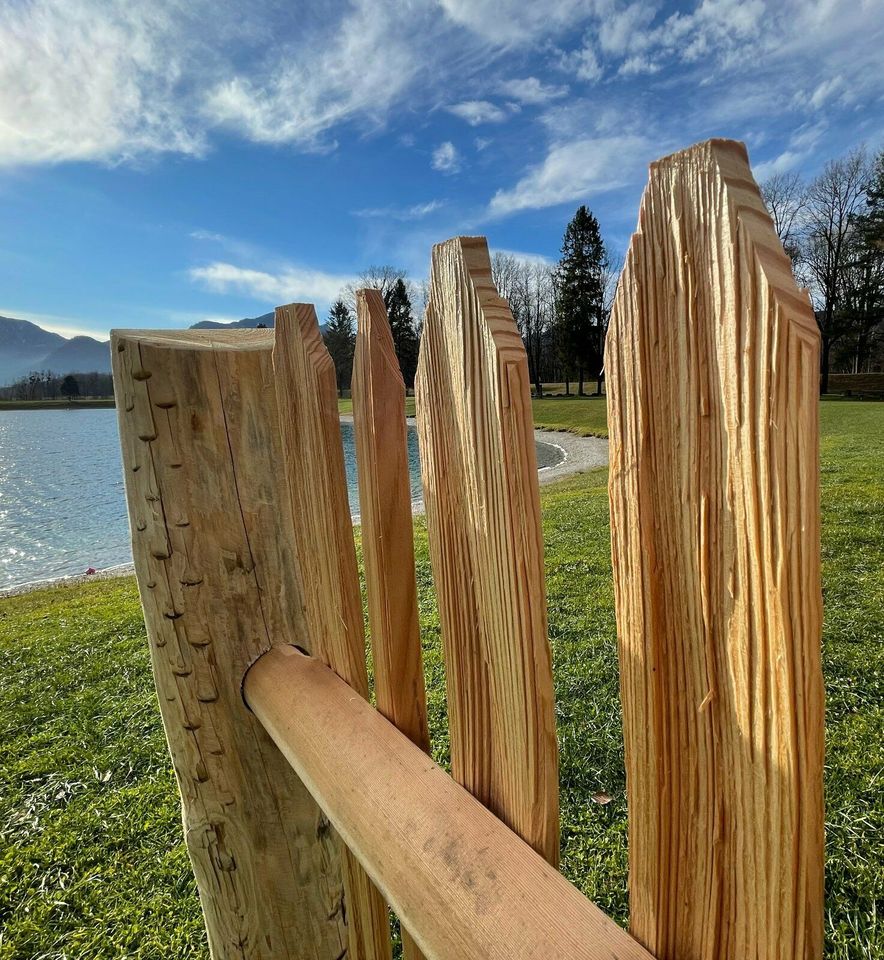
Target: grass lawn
[91,859]
[56,404]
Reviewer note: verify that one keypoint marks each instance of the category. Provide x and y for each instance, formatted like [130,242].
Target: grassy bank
[91,860]
[56,404]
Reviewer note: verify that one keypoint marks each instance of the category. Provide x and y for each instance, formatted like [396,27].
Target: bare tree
[834,200]
[527,285]
[381,278]
[785,195]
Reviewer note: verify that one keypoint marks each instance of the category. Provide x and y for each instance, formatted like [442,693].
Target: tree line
[832,228]
[561,310]
[46,385]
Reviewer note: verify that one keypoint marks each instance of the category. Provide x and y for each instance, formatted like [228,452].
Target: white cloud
[481,143]
[328,79]
[416,211]
[477,111]
[583,64]
[573,171]
[515,21]
[446,158]
[91,80]
[531,91]
[289,284]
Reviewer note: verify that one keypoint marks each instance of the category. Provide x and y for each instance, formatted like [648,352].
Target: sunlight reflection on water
[62,505]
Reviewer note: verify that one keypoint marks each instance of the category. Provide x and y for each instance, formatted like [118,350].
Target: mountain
[249,322]
[79,355]
[265,319]
[25,347]
[22,346]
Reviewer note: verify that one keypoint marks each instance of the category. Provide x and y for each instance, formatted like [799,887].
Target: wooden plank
[211,539]
[387,533]
[378,392]
[479,472]
[463,883]
[313,459]
[712,364]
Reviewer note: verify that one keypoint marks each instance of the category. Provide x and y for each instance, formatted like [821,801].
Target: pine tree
[402,327]
[340,339]
[580,299]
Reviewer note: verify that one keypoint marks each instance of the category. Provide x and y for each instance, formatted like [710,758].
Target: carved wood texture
[712,364]
[211,538]
[483,516]
[313,461]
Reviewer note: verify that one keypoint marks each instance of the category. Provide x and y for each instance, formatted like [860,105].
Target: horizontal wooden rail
[463,884]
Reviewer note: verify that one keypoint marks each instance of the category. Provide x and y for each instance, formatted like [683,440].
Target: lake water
[62,505]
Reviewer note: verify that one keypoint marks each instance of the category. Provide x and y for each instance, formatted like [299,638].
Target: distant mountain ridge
[25,346]
[265,320]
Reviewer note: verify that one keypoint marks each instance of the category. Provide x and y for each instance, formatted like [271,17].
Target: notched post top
[712,363]
[483,516]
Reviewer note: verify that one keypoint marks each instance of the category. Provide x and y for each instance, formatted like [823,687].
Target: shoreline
[579,454]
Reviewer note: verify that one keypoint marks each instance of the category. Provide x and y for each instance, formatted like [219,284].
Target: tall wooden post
[387,529]
[213,543]
[712,364]
[483,517]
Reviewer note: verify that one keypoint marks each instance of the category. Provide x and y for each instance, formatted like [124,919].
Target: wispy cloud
[446,158]
[416,211]
[478,111]
[531,91]
[574,171]
[289,284]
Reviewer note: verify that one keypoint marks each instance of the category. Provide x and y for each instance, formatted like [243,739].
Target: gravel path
[578,454]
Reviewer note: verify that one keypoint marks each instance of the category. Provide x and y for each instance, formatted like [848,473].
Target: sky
[171,161]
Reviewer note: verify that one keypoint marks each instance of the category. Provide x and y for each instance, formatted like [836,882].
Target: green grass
[56,404]
[91,859]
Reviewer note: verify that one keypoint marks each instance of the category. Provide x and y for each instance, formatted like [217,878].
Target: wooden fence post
[712,365]
[387,529]
[482,499]
[313,460]
[212,542]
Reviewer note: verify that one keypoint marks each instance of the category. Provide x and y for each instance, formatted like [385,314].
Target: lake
[62,505]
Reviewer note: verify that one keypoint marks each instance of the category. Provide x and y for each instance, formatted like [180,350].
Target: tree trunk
[824,365]
[580,391]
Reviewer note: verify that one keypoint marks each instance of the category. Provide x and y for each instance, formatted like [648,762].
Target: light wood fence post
[313,460]
[379,427]
[479,472]
[712,365]
[213,548]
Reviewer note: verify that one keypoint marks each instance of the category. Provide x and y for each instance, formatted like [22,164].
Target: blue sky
[167,162]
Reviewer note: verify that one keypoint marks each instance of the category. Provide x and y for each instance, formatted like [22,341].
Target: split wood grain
[380,430]
[479,471]
[212,543]
[463,882]
[712,366]
[379,427]
[313,462]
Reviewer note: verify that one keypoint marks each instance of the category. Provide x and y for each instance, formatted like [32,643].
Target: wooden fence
[308,812]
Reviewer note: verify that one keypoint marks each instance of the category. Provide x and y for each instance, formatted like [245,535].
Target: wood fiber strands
[211,538]
[712,366]
[380,431]
[313,461]
[479,473]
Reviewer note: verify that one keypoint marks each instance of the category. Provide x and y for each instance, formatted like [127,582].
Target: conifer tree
[340,340]
[402,327]
[580,297]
